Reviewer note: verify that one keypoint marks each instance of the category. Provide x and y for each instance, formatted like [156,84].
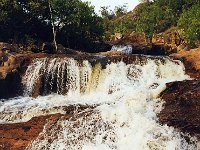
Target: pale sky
[113,3]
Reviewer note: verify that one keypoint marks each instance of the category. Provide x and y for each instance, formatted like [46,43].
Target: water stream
[125,96]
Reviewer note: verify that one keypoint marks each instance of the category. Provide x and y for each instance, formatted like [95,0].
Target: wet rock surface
[182,106]
[12,67]
[18,136]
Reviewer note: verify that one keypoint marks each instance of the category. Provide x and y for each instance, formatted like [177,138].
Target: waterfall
[125,96]
[64,75]
[57,75]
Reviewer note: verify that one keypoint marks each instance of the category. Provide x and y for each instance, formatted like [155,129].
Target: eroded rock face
[170,41]
[12,67]
[182,106]
[10,79]
[191,61]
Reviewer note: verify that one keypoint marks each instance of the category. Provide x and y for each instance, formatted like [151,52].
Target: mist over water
[122,100]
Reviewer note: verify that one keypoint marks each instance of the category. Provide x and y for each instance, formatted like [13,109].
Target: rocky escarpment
[182,106]
[14,65]
[164,43]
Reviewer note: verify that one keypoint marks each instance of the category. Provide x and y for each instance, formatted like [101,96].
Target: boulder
[182,106]
[8,63]
[7,47]
[191,60]
[170,40]
[10,78]
[132,38]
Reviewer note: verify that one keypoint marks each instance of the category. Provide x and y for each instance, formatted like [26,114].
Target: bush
[153,19]
[189,22]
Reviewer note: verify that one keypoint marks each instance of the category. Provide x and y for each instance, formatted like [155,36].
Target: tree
[120,10]
[21,20]
[153,19]
[106,13]
[74,22]
[189,22]
[53,25]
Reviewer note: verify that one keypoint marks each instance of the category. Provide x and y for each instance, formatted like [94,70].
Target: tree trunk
[53,26]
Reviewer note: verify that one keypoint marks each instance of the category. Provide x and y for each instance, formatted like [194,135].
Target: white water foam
[127,103]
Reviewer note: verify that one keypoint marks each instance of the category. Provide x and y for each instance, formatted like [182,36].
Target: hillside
[158,17]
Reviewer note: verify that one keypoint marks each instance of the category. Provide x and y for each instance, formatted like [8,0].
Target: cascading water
[59,75]
[123,96]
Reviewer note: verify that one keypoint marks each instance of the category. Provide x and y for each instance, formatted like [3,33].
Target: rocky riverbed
[180,99]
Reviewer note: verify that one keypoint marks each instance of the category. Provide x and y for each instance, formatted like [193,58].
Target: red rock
[7,47]
[182,106]
[17,136]
[191,60]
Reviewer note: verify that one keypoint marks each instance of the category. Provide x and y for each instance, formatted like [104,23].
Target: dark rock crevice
[11,86]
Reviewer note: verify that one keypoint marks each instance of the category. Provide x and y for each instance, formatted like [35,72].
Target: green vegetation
[157,16]
[118,20]
[153,19]
[74,23]
[189,22]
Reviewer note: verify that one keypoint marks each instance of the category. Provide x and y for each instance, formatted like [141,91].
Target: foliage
[120,10]
[124,26]
[78,26]
[189,22]
[154,16]
[106,12]
[75,21]
[118,21]
[153,19]
[22,18]
[176,6]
